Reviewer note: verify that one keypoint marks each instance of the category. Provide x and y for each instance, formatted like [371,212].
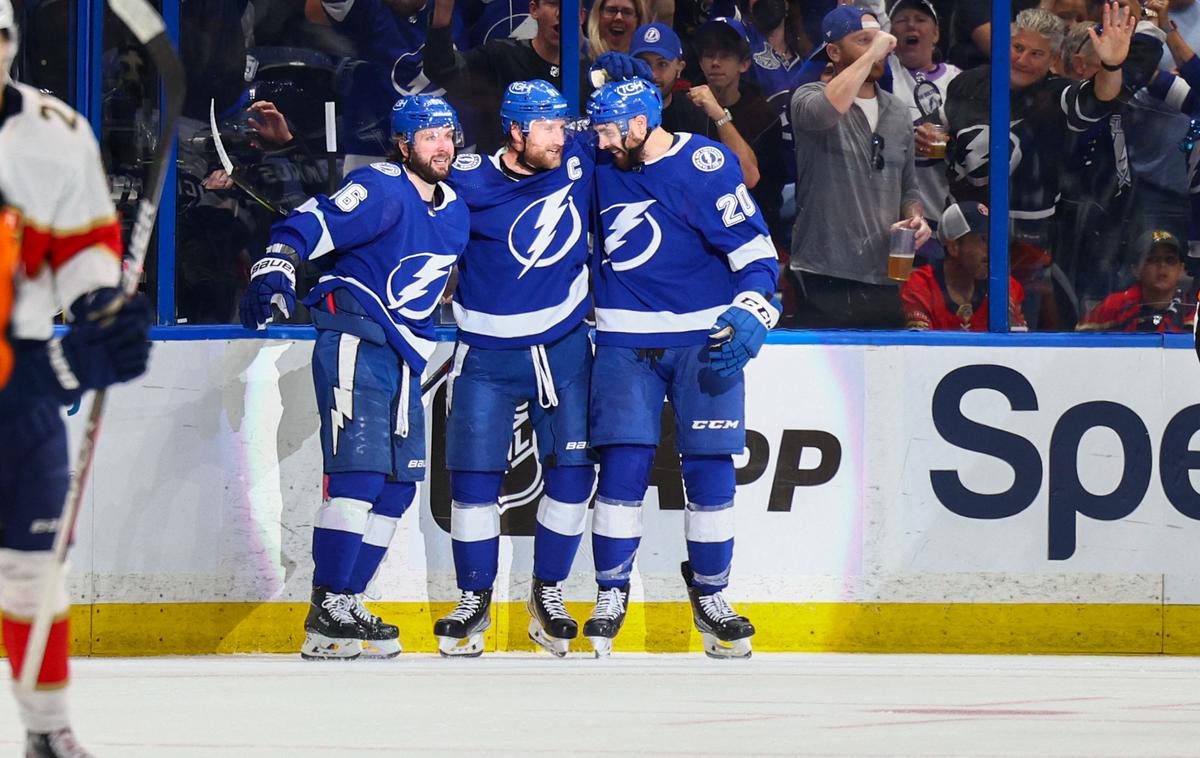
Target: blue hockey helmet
[618,102]
[413,113]
[534,100]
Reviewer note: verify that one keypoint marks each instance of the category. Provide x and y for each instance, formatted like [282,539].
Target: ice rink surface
[631,704]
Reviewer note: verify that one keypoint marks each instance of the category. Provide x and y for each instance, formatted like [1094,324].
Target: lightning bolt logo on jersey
[686,211]
[390,250]
[630,227]
[523,279]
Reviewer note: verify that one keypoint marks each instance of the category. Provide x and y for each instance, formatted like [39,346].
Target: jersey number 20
[728,206]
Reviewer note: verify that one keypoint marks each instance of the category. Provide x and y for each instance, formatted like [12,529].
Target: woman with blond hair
[611,23]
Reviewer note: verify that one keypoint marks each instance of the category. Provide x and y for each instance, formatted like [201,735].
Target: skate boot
[606,619]
[331,630]
[550,626]
[460,635]
[379,639]
[725,633]
[57,744]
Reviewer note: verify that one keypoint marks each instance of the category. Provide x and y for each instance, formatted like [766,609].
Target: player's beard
[425,168]
[630,155]
[540,158]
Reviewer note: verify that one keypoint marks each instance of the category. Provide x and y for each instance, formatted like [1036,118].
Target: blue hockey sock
[710,563]
[340,525]
[708,520]
[381,527]
[562,514]
[475,527]
[617,520]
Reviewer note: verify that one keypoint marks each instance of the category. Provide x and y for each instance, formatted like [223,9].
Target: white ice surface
[797,705]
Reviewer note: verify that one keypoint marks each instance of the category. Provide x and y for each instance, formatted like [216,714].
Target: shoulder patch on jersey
[708,158]
[388,169]
[468,161]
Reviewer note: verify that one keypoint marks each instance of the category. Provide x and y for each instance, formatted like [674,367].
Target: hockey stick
[148,27]
[227,163]
[437,375]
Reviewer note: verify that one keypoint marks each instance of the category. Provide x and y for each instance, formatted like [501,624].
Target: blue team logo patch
[545,231]
[632,236]
[708,158]
[415,286]
[467,161]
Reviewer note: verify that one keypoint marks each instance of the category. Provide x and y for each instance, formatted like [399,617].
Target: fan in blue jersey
[388,239]
[520,303]
[681,294]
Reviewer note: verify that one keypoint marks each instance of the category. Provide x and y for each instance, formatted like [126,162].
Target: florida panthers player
[389,236]
[681,306]
[70,260]
[521,299]
[10,255]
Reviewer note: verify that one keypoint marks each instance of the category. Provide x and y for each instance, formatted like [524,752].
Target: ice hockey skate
[724,632]
[460,635]
[379,639]
[57,744]
[331,630]
[550,626]
[606,619]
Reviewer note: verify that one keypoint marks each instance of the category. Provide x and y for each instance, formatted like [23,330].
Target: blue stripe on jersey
[681,236]
[523,279]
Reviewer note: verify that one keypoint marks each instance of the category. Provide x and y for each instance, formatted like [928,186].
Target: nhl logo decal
[652,35]
[708,158]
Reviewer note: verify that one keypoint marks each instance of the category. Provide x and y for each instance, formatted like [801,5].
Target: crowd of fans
[853,120]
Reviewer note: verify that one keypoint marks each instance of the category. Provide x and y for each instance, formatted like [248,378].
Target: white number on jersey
[348,197]
[728,206]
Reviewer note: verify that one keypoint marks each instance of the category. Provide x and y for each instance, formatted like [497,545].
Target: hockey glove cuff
[740,332]
[106,344]
[272,282]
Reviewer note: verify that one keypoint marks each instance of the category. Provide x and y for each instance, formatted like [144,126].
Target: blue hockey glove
[106,344]
[272,282]
[620,66]
[740,332]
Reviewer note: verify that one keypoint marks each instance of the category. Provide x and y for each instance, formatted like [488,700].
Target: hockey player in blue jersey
[681,292]
[520,303]
[389,238]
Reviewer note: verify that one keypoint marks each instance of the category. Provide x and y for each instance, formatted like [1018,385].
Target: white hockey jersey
[50,171]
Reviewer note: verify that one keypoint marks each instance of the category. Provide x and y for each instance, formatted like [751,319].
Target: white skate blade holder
[318,647]
[553,645]
[470,646]
[381,648]
[725,649]
[602,646]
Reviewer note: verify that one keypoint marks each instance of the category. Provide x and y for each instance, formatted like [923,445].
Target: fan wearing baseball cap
[854,178]
[696,111]
[1155,303]
[953,293]
[921,83]
[659,47]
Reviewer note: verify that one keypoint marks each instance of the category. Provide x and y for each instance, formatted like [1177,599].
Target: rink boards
[891,498]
